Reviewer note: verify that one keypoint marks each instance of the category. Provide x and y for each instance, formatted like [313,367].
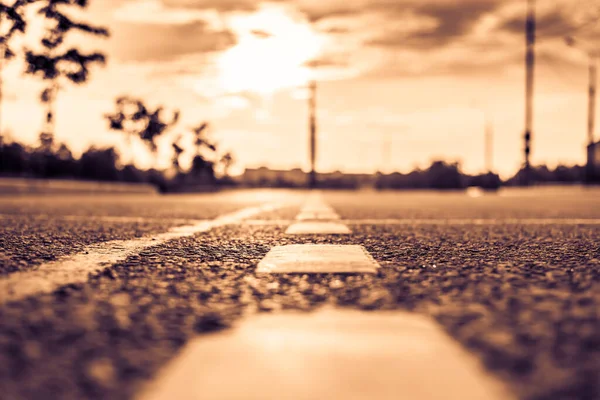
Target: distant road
[53,186]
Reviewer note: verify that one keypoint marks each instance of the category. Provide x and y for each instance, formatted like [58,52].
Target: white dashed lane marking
[318,259]
[317,218]
[317,228]
[330,354]
[321,214]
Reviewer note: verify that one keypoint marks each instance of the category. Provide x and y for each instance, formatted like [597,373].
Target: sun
[271,54]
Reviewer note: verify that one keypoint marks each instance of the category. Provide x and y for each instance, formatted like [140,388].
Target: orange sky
[420,72]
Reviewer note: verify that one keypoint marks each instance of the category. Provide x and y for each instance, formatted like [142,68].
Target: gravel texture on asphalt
[38,229]
[27,241]
[524,299]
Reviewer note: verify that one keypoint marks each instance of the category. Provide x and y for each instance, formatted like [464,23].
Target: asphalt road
[513,276]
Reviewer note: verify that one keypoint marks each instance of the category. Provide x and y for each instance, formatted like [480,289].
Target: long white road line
[329,354]
[438,221]
[474,221]
[97,257]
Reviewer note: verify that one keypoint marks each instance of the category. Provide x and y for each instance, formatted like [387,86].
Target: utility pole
[489,146]
[2,57]
[594,56]
[312,103]
[592,96]
[529,81]
[590,171]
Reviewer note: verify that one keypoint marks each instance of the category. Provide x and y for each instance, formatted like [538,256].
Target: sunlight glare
[271,52]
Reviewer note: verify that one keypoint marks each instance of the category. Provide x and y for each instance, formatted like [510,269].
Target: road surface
[100,294]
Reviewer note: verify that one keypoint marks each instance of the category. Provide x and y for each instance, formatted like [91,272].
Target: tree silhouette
[227,161]
[54,64]
[201,139]
[177,151]
[201,162]
[135,119]
[16,23]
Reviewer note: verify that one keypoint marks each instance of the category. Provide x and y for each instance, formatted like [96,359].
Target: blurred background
[192,95]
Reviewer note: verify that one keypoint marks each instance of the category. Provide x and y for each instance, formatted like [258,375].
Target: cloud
[386,36]
[336,30]
[451,21]
[218,5]
[318,14]
[261,34]
[328,61]
[555,23]
[160,42]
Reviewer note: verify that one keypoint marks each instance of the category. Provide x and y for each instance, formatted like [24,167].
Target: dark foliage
[227,161]
[51,160]
[134,118]
[542,174]
[177,152]
[14,14]
[55,160]
[53,63]
[48,67]
[489,181]
[71,64]
[440,175]
[205,151]
[201,140]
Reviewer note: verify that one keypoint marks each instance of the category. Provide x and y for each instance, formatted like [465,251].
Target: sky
[414,79]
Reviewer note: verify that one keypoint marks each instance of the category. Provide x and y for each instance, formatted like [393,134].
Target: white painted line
[94,258]
[317,228]
[318,259]
[330,354]
[316,219]
[512,221]
[474,221]
[315,208]
[312,215]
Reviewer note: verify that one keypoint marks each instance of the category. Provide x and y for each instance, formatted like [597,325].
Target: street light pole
[312,103]
[592,96]
[590,171]
[593,56]
[529,81]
